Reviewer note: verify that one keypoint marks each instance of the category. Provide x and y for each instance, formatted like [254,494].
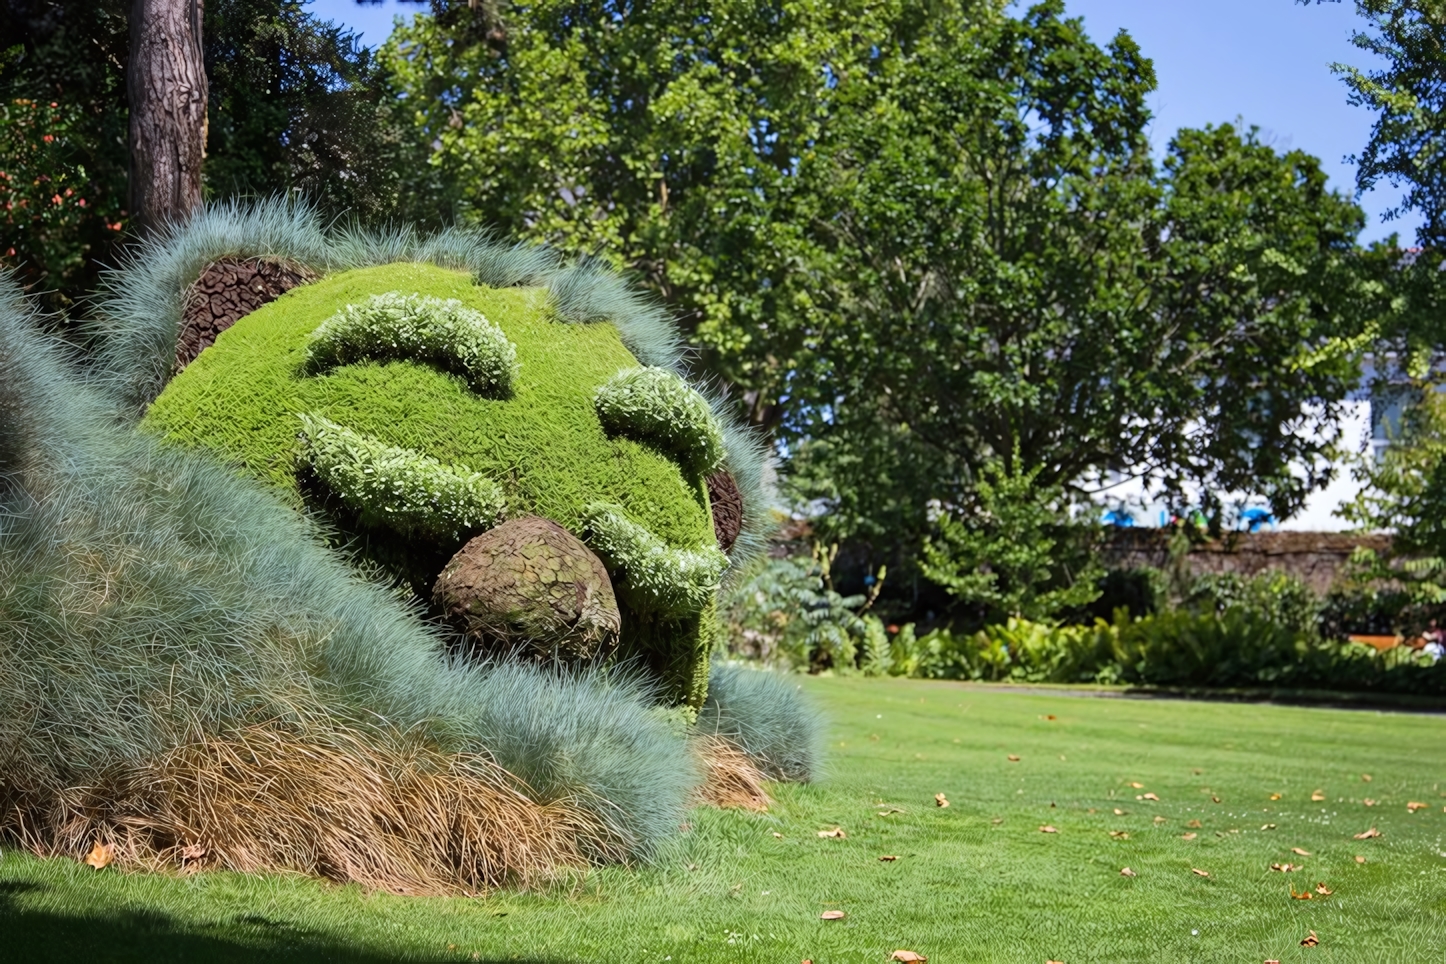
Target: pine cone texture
[227,291]
[727,504]
[530,585]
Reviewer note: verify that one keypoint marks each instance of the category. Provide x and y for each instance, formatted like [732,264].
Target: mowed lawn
[974,881]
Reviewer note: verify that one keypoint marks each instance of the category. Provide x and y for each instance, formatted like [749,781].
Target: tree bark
[166,86]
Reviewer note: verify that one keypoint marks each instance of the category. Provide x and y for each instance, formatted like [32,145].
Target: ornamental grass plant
[149,597]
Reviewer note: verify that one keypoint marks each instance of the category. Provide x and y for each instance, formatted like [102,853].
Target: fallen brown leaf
[1148,796]
[1302,853]
[1127,872]
[1272,961]
[1012,758]
[1159,819]
[1120,834]
[1194,825]
[1303,895]
[1365,778]
[1316,796]
[777,835]
[1047,829]
[1188,836]
[1214,799]
[1369,802]
[1138,786]
[940,801]
[1267,826]
[1360,859]
[1275,796]
[1049,716]
[1414,805]
[907,956]
[1199,873]
[1119,812]
[1285,868]
[1323,890]
[832,915]
[997,821]
[100,855]
[888,858]
[1310,940]
[1368,834]
[837,833]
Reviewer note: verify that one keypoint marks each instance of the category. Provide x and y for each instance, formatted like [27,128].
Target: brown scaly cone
[227,291]
[532,586]
[727,504]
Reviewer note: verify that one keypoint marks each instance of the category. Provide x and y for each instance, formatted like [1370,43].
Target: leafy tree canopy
[916,236]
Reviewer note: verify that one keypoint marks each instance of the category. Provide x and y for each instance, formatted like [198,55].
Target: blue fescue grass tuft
[766,715]
[149,595]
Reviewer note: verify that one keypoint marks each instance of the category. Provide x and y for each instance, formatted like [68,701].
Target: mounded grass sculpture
[185,631]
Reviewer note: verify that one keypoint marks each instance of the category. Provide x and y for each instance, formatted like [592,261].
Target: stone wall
[1316,558]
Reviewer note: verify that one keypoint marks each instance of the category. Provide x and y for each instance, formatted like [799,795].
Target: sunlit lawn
[976,881]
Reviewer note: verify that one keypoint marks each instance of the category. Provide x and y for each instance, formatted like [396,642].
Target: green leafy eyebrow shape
[657,407]
[403,489]
[396,327]
[656,578]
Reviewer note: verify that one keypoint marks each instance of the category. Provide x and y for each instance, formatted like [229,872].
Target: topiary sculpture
[417,392]
[193,675]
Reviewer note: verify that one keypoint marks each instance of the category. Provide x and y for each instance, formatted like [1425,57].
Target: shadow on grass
[32,935]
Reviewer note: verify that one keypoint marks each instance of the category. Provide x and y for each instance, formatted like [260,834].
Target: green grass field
[976,881]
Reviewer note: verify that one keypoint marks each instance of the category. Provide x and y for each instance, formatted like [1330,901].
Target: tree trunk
[166,85]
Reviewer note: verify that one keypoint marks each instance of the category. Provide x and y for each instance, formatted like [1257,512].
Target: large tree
[166,91]
[916,236]
[1023,283]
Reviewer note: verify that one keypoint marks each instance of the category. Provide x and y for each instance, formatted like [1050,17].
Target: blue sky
[1266,62]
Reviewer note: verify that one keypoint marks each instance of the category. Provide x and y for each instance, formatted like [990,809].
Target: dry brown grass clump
[400,817]
[730,777]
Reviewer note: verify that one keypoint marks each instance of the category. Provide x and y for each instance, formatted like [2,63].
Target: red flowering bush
[54,217]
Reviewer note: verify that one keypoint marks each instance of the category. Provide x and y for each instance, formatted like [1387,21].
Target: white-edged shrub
[401,488]
[656,578]
[394,326]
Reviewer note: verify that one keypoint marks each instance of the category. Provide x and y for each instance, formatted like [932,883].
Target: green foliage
[1272,597]
[876,651]
[1142,591]
[56,213]
[1016,551]
[296,104]
[399,488]
[397,327]
[656,406]
[768,716]
[1405,492]
[786,611]
[656,578]
[1037,290]
[149,595]
[1409,136]
[1234,648]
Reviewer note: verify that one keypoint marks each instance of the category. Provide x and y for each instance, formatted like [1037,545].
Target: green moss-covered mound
[243,398]
[256,396]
